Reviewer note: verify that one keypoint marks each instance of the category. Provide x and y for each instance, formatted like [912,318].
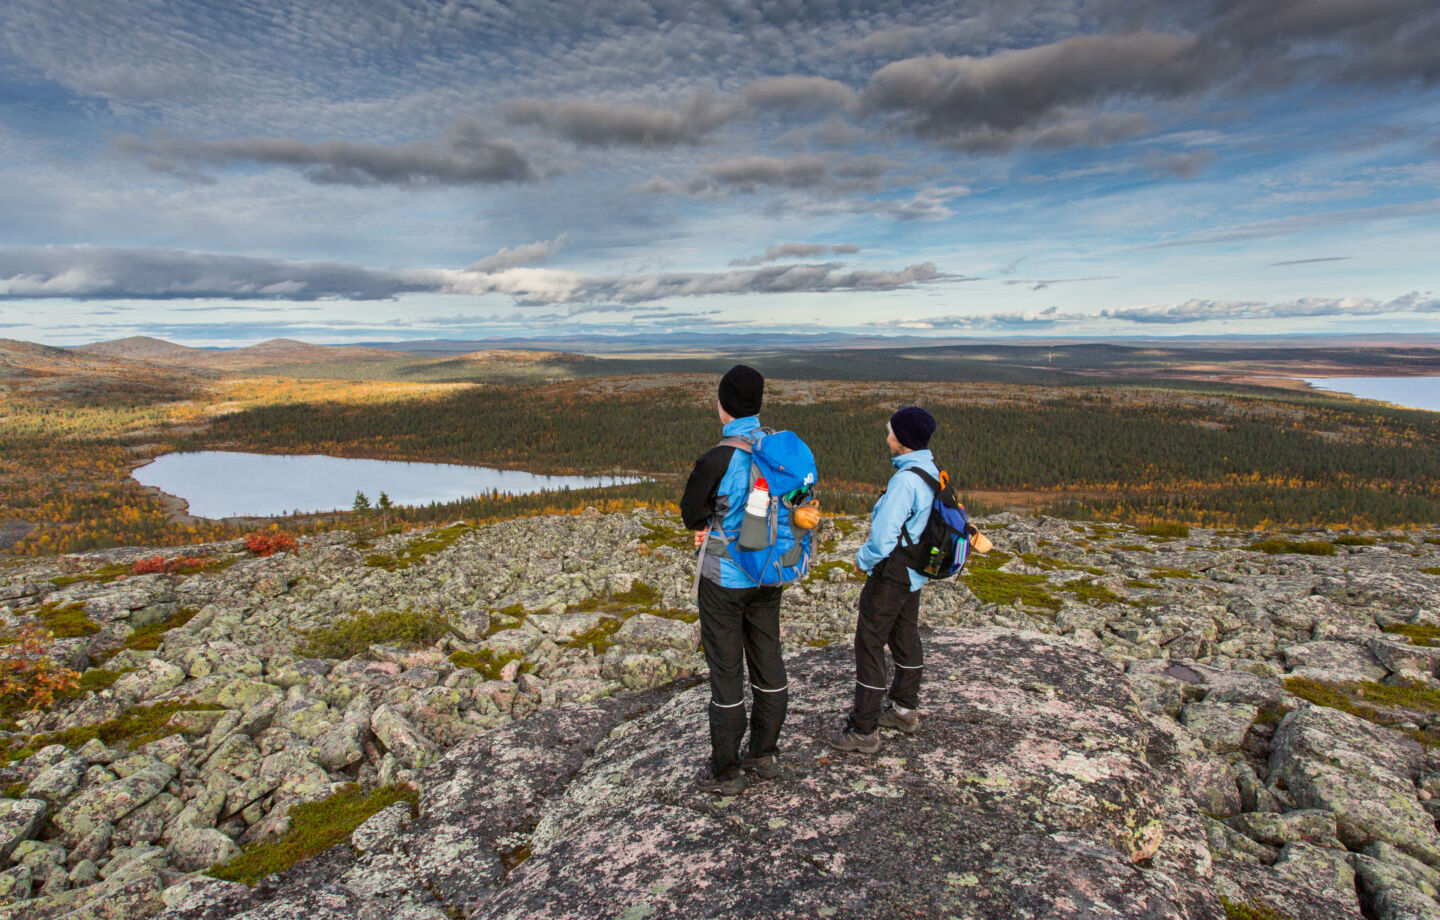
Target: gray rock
[20,820]
[401,738]
[108,803]
[646,631]
[196,848]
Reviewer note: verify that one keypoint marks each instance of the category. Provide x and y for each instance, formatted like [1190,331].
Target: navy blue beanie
[741,391]
[913,427]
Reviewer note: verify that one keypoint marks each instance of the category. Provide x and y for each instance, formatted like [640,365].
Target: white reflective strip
[768,690]
[726,705]
[910,667]
[868,687]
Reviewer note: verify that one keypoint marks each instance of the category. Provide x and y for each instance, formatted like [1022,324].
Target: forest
[1182,451]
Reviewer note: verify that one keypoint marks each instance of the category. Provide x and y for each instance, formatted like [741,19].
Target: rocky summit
[1196,724]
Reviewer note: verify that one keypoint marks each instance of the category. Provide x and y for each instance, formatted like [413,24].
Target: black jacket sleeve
[698,502]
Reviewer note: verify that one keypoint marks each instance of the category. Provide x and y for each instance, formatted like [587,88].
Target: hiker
[890,601]
[729,506]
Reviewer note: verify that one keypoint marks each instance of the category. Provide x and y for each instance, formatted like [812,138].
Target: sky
[219,173]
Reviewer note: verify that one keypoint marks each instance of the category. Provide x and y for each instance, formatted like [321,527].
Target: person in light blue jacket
[890,601]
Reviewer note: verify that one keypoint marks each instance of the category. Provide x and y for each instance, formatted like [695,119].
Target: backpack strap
[934,484]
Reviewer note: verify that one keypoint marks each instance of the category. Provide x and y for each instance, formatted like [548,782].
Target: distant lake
[1412,392]
[221,484]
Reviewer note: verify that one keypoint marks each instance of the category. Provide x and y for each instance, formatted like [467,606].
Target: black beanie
[913,427]
[741,390]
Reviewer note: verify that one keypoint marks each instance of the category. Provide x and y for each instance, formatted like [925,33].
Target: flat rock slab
[1036,788]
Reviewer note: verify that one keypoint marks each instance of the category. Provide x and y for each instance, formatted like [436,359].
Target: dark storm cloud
[464,155]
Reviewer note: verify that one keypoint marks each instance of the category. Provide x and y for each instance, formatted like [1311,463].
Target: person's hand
[858,570]
[700,536]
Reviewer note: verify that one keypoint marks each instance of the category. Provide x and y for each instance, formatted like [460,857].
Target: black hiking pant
[889,615]
[736,624]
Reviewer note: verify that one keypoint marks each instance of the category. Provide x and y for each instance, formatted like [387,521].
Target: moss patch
[1091,593]
[135,727]
[148,637]
[66,621]
[1352,540]
[1276,546]
[1251,910]
[486,661]
[1367,700]
[1417,633]
[1172,573]
[419,549]
[596,638]
[667,535]
[314,828]
[14,790]
[822,571]
[1050,565]
[1135,548]
[352,635]
[995,587]
[1433,570]
[1166,530]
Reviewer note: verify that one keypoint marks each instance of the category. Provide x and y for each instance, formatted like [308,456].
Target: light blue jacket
[906,503]
[730,508]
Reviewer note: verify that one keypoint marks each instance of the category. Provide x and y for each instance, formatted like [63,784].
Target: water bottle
[755,527]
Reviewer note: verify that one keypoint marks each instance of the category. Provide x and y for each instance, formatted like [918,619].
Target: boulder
[112,801]
[401,738]
[20,820]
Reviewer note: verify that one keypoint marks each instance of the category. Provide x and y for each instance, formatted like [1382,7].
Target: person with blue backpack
[918,531]
[740,501]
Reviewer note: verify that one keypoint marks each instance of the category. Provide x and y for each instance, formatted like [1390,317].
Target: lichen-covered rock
[112,801]
[155,678]
[401,738]
[1362,773]
[197,848]
[646,631]
[20,820]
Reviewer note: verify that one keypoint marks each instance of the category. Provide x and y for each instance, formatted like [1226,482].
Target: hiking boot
[900,719]
[766,766]
[708,782]
[848,739]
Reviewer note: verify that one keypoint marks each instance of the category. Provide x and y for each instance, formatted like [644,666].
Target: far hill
[267,354]
[144,348]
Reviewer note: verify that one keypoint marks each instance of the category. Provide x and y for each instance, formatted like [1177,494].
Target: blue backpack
[944,544]
[788,466]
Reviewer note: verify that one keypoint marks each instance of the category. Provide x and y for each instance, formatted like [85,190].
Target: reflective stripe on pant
[741,626]
[889,615]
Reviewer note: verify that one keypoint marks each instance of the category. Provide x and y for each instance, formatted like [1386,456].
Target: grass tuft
[148,637]
[135,727]
[1364,700]
[1251,910]
[314,828]
[354,634]
[1166,530]
[1352,540]
[419,549]
[1275,547]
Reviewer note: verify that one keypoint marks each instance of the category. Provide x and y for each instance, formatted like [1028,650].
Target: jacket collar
[741,426]
[912,458]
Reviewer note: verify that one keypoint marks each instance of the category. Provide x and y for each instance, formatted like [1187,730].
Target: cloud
[95,272]
[1180,165]
[539,251]
[591,123]
[798,251]
[464,155]
[1040,284]
[795,92]
[1310,261]
[1191,311]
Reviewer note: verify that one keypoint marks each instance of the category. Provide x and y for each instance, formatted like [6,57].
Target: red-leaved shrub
[167,566]
[30,679]
[264,544]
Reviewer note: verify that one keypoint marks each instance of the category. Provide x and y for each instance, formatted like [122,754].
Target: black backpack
[944,544]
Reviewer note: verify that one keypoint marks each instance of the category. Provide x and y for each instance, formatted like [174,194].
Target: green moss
[1351,540]
[818,643]
[1048,564]
[352,635]
[640,594]
[14,790]
[134,727]
[1417,633]
[597,638]
[1364,699]
[148,637]
[1166,530]
[103,575]
[1275,546]
[1135,547]
[66,621]
[995,587]
[1091,593]
[1251,910]
[1433,570]
[821,572]
[1172,573]
[486,661]
[419,549]
[847,526]
[1140,585]
[667,535]
[314,828]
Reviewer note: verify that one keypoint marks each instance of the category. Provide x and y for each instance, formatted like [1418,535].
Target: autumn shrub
[161,565]
[30,679]
[353,634]
[266,544]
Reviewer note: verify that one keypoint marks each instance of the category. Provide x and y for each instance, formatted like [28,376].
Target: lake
[221,484]
[1412,392]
